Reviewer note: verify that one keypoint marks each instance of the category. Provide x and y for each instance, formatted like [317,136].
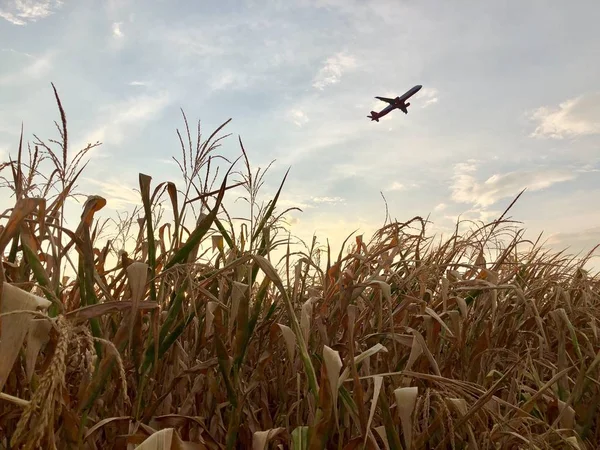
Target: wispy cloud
[470,215]
[297,117]
[577,241]
[577,116]
[20,12]
[126,114]
[16,52]
[332,70]
[327,199]
[467,189]
[36,68]
[229,80]
[305,203]
[117,194]
[440,207]
[429,95]
[396,186]
[194,42]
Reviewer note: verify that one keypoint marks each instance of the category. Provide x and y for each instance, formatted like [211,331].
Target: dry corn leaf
[406,399]
[290,340]
[260,439]
[382,434]
[15,327]
[333,362]
[89,312]
[378,381]
[137,274]
[567,419]
[210,317]
[38,336]
[168,439]
[416,350]
[305,318]
[217,242]
[238,291]
[573,442]
[433,314]
[358,359]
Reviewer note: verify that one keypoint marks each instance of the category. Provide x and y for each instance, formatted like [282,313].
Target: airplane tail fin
[373,116]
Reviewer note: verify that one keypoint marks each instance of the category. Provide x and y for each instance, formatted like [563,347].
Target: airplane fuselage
[408,94]
[396,103]
[388,109]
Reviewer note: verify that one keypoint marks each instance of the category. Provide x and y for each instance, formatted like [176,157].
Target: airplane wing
[385,99]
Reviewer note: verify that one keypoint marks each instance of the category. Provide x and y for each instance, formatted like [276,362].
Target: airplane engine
[407,104]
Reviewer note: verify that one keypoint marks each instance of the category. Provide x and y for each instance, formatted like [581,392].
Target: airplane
[398,102]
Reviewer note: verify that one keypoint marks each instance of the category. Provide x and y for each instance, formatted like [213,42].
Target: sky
[510,100]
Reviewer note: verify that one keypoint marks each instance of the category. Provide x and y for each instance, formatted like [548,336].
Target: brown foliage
[482,339]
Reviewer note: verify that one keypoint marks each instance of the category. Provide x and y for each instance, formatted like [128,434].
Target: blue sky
[510,100]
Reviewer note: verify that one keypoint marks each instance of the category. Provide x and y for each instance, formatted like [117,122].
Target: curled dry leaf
[167,439]
[406,398]
[217,242]
[260,439]
[382,434]
[306,318]
[137,273]
[333,362]
[290,340]
[15,327]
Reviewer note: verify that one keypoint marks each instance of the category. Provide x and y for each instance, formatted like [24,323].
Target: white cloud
[587,168]
[467,189]
[440,207]
[297,117]
[20,12]
[333,69]
[577,116]
[327,199]
[578,241]
[38,67]
[466,218]
[139,83]
[395,186]
[116,30]
[167,161]
[305,203]
[229,80]
[123,115]
[430,96]
[194,42]
[16,52]
[117,195]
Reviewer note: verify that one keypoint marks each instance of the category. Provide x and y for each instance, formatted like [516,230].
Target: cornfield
[201,337]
